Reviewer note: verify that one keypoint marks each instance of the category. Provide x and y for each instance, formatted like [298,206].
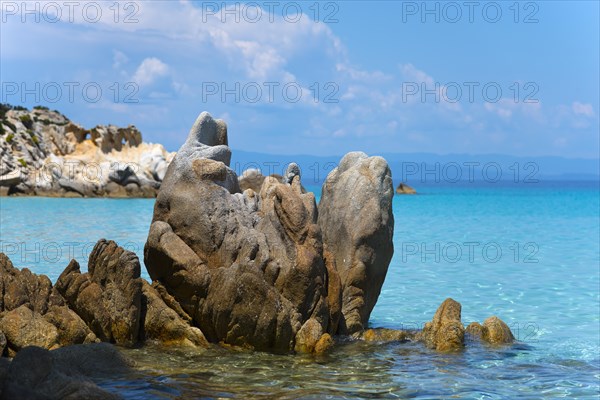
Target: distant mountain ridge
[429,168]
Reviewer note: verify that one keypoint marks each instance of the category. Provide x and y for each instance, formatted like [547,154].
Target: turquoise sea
[528,253]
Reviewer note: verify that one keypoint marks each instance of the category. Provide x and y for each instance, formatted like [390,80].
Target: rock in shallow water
[493,331]
[355,216]
[66,373]
[250,269]
[446,331]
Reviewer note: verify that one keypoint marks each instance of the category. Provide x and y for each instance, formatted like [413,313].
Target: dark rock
[124,176]
[2,344]
[66,373]
[446,331]
[403,188]
[355,216]
[108,297]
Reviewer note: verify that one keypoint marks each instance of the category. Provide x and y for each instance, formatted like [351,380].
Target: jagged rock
[165,322]
[65,373]
[446,331]
[403,188]
[493,331]
[24,327]
[291,172]
[355,216]
[45,154]
[248,268]
[22,287]
[253,178]
[108,296]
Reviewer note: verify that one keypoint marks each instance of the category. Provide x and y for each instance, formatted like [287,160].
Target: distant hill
[435,169]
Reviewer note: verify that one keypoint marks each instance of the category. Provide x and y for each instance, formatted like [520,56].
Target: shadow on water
[352,370]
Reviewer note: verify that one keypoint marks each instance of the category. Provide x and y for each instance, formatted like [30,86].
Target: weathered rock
[496,331]
[43,153]
[446,331]
[162,323]
[355,216]
[65,373]
[253,179]
[24,327]
[2,344]
[248,268]
[22,287]
[323,344]
[308,336]
[108,297]
[475,330]
[71,328]
[387,335]
[493,331]
[403,188]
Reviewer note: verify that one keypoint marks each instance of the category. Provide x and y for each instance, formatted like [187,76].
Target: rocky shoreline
[263,269]
[43,153]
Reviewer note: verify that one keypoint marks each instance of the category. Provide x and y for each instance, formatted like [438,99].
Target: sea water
[526,253]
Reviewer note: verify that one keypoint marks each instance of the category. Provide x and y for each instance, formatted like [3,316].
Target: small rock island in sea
[263,269]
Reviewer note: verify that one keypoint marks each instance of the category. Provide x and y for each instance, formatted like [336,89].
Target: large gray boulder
[249,268]
[355,216]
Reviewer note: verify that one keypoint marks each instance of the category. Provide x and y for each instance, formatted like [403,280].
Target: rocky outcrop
[493,331]
[250,268]
[403,188]
[67,373]
[247,267]
[108,296]
[43,153]
[355,216]
[109,303]
[446,331]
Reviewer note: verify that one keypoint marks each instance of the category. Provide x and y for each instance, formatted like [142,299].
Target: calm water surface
[527,253]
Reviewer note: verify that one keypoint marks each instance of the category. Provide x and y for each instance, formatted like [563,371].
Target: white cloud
[119,59]
[149,70]
[583,109]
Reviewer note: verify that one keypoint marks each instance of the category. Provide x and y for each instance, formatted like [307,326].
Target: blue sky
[518,78]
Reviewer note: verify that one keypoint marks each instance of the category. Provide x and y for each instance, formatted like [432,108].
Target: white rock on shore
[43,153]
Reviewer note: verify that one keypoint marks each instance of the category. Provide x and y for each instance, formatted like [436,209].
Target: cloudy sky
[318,78]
